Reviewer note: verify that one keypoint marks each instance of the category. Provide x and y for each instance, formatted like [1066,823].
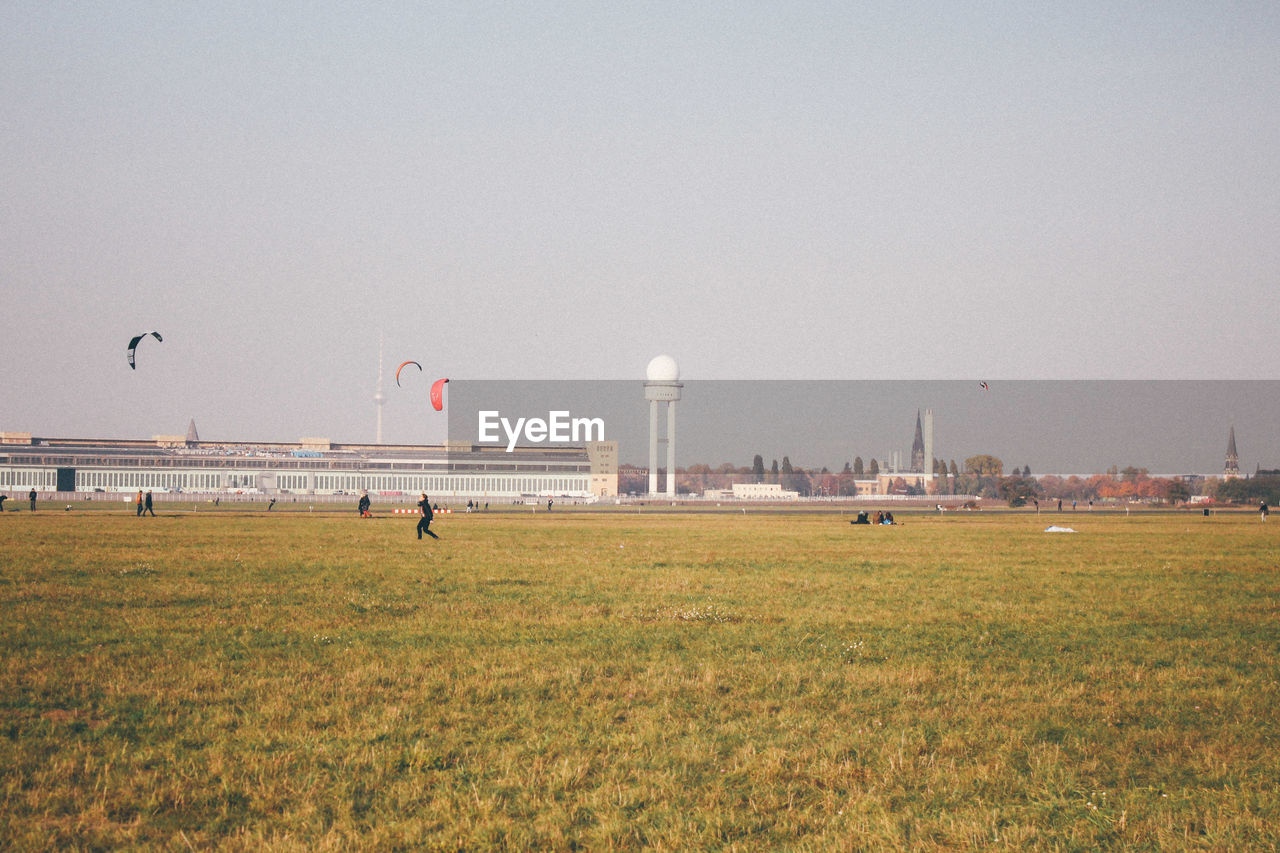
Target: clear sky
[801,190]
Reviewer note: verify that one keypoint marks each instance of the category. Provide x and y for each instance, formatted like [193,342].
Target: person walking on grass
[424,523]
[1263,509]
[147,505]
[32,497]
[137,504]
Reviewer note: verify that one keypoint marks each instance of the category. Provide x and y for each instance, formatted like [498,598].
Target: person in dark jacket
[364,506]
[147,505]
[424,523]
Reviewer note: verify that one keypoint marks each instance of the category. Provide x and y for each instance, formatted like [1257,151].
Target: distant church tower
[917,448]
[1232,471]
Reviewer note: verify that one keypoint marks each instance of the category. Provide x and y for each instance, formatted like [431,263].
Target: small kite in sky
[133,345]
[985,386]
[437,394]
[402,367]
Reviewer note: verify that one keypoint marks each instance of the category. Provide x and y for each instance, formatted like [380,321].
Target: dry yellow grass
[626,681]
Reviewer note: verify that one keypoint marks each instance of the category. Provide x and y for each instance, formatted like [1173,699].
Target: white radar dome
[662,369]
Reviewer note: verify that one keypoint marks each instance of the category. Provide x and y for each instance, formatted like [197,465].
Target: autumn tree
[1250,490]
[697,478]
[1017,490]
[984,465]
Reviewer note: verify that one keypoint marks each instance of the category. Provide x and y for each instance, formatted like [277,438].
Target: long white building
[307,467]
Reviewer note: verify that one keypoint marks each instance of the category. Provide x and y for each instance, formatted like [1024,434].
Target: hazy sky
[799,190]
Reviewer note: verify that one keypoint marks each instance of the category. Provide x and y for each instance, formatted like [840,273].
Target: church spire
[917,447]
[1232,469]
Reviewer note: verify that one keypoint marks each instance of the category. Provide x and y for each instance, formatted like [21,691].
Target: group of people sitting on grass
[881,518]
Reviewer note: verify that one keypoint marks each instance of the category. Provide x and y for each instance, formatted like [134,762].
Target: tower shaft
[653,447]
[671,449]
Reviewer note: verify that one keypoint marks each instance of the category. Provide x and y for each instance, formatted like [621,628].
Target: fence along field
[611,681]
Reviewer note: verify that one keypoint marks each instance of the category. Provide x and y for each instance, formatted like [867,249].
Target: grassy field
[561,681]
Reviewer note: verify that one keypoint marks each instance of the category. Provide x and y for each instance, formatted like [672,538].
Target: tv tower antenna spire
[379,399]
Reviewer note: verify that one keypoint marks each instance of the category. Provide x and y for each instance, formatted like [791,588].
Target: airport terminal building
[310,466]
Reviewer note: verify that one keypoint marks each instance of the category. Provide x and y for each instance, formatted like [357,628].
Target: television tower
[379,399]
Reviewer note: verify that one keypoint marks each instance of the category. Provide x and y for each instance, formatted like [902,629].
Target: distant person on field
[364,505]
[32,497]
[137,504]
[1263,509]
[147,504]
[3,498]
[548,504]
[424,523]
[271,504]
[1059,504]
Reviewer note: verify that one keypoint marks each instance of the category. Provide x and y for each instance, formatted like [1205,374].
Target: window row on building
[27,478]
[446,484]
[110,481]
[127,481]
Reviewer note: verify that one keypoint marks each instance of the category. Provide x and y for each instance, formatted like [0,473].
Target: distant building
[763,492]
[310,466]
[917,448]
[918,477]
[603,456]
[1232,469]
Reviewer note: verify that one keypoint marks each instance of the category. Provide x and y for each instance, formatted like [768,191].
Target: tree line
[982,475]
